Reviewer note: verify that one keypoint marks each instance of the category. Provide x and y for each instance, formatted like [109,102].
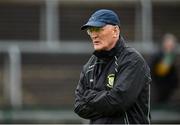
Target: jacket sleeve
[81,108]
[130,80]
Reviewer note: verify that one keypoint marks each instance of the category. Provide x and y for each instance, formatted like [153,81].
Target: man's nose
[94,35]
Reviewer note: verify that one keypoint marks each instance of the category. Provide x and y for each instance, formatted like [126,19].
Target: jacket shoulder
[131,57]
[131,54]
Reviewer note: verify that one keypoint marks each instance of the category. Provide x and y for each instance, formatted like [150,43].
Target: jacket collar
[111,53]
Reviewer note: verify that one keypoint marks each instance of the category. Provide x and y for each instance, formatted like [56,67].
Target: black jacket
[114,87]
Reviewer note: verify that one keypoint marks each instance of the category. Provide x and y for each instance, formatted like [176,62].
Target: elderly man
[114,85]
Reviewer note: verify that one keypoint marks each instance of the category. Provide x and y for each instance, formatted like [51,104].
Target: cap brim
[93,24]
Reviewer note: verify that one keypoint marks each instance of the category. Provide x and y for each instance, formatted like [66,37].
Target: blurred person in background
[114,85]
[164,71]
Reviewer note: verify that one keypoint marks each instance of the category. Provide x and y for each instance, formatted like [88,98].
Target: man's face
[103,38]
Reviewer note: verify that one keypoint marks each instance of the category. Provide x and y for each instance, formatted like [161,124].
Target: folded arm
[129,82]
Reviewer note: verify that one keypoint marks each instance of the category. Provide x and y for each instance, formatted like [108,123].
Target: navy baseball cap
[102,17]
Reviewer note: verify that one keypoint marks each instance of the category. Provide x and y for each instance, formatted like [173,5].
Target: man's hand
[89,94]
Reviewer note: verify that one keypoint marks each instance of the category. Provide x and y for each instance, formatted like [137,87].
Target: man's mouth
[96,42]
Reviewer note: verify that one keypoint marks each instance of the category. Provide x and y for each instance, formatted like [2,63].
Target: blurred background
[42,51]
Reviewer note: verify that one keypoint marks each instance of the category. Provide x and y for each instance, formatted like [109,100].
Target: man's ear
[116,31]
